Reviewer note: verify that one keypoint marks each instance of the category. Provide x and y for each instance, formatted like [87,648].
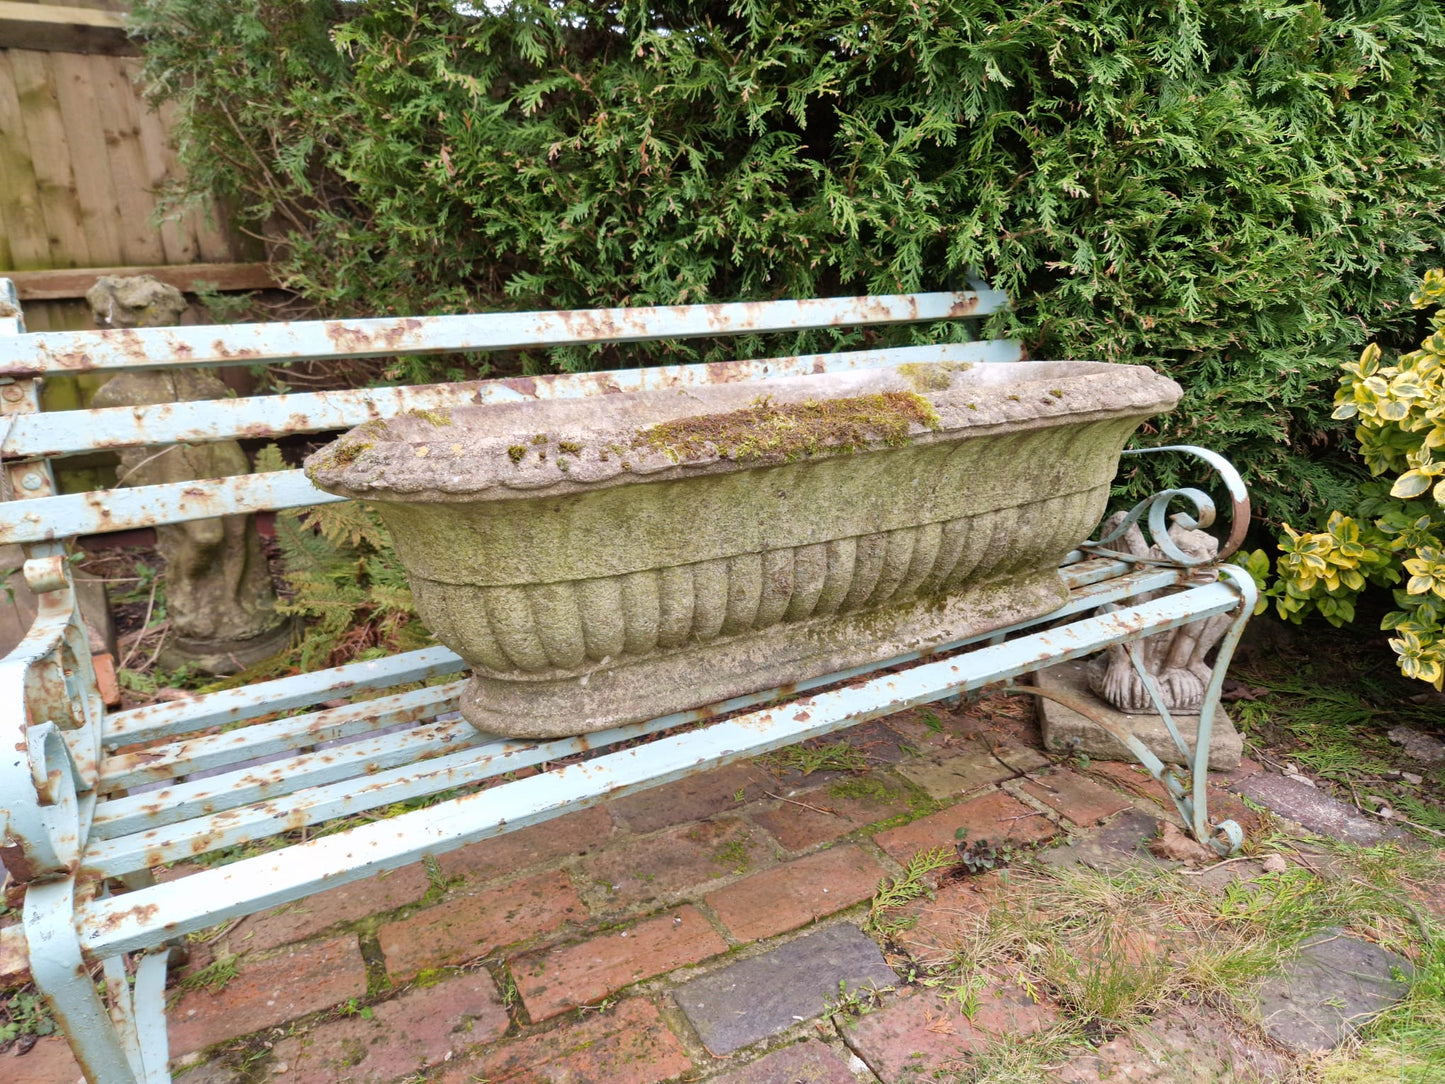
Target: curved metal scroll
[1154,511]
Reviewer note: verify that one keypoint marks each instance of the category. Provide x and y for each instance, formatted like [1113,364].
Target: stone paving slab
[1316,810]
[1335,985]
[754,998]
[948,777]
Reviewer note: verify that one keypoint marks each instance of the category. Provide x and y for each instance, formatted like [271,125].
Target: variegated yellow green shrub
[1396,533]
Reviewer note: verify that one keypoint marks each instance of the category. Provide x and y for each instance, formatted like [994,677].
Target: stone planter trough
[615,558]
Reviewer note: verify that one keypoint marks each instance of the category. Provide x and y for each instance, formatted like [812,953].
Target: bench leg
[123,1045]
[1226,837]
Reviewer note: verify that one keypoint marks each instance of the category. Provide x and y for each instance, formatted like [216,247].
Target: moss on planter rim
[783,432]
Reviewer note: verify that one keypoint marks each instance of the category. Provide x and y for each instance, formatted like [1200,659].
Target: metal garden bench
[84,837]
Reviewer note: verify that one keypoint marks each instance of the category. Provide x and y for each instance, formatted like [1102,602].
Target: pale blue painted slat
[78,431]
[140,918]
[210,751]
[169,720]
[254,344]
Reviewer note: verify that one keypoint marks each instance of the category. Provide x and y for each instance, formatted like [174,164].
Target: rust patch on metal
[523,385]
[141,915]
[965,305]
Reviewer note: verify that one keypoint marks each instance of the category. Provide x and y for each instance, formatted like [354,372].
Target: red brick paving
[48,1062]
[1133,778]
[630,1044]
[295,982]
[808,1062]
[922,1033]
[551,981]
[304,918]
[691,799]
[571,834]
[464,928]
[415,1031]
[797,893]
[639,870]
[811,818]
[997,817]
[952,917]
[1081,800]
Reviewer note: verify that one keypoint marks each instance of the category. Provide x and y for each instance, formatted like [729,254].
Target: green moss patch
[783,432]
[932,375]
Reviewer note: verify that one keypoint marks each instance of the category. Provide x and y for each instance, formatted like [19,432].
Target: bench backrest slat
[80,431]
[255,344]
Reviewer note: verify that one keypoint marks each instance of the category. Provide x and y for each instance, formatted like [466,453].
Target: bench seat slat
[262,781]
[1092,582]
[177,717]
[68,432]
[211,751]
[139,919]
[313,805]
[46,353]
[310,804]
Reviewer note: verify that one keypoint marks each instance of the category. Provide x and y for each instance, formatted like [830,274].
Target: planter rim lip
[529,449]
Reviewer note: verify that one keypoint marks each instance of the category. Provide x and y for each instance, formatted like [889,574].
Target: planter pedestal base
[657,685]
[1066,731]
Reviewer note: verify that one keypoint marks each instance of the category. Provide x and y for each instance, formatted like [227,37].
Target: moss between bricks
[784,432]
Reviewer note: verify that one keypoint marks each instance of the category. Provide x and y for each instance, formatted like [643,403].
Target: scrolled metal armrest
[1154,511]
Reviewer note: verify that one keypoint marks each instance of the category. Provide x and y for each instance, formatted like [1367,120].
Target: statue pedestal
[1067,731]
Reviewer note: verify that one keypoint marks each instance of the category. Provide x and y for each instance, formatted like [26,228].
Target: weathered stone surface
[948,777]
[122,301]
[1174,658]
[1335,985]
[1119,846]
[1315,810]
[1083,801]
[884,489]
[1065,730]
[761,996]
[1418,745]
[219,596]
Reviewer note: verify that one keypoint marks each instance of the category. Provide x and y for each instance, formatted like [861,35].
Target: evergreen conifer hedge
[1238,192]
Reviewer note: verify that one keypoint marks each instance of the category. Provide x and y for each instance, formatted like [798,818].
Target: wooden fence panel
[83,164]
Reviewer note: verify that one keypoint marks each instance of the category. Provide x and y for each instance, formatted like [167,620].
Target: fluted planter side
[595,574]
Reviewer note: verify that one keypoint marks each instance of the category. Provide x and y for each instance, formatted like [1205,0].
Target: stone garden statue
[1175,659]
[219,596]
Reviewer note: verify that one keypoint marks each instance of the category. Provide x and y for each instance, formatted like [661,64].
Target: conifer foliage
[1238,192]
